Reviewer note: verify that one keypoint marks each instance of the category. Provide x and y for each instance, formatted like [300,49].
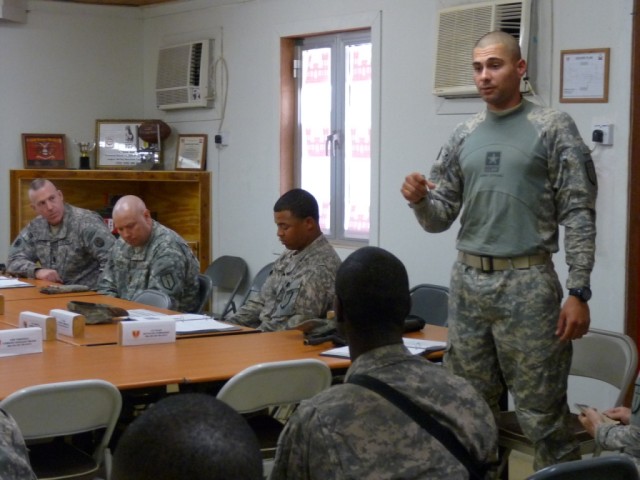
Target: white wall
[414,123]
[67,66]
[70,64]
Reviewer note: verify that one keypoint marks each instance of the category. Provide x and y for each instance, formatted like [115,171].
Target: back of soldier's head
[373,287]
[188,436]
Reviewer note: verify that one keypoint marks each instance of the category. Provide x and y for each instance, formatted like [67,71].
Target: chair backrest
[258,281]
[205,286]
[608,467]
[275,383]
[430,303]
[155,298]
[66,408]
[615,364]
[227,273]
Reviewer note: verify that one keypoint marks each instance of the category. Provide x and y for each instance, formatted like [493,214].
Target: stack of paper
[8,282]
[186,323]
[415,345]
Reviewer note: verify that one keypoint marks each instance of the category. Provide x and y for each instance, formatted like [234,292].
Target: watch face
[583,294]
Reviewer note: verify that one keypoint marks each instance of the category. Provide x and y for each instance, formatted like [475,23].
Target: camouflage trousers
[502,326]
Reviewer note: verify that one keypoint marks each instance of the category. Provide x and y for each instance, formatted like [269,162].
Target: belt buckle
[486,264]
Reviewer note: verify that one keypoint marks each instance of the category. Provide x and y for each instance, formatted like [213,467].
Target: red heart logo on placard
[136,333]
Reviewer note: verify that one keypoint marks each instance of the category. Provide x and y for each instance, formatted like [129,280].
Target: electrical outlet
[221,139]
[602,131]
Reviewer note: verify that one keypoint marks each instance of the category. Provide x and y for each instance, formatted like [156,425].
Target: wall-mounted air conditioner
[184,78]
[458,30]
[13,11]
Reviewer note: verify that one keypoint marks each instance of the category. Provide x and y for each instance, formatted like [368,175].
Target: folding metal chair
[47,413]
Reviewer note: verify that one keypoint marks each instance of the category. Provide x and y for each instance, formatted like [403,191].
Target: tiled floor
[520,466]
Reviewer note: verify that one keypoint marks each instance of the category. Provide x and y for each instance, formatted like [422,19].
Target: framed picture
[584,76]
[191,152]
[118,145]
[43,150]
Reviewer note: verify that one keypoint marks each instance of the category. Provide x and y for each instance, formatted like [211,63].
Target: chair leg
[502,471]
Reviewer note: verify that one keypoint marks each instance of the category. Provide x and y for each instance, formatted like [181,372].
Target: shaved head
[503,38]
[129,203]
[133,220]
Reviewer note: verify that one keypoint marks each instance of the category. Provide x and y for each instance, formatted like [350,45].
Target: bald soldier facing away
[149,255]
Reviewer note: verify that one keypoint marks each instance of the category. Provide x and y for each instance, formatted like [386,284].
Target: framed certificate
[584,76]
[191,152]
[119,147]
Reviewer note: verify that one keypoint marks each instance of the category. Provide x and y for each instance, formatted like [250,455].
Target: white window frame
[373,22]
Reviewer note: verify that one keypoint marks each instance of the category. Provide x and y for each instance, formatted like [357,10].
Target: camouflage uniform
[516,177]
[626,437]
[349,432]
[165,263]
[78,251]
[300,287]
[14,459]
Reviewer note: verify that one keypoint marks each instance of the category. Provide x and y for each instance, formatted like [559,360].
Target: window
[333,137]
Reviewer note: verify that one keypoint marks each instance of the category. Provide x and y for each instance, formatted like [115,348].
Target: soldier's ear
[337,308]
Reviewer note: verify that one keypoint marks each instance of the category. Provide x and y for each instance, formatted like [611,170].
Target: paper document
[185,322]
[415,345]
[8,282]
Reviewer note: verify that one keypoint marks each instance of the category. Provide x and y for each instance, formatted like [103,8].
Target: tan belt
[490,264]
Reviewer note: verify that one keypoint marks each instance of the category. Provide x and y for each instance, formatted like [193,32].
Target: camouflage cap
[53,289]
[97,312]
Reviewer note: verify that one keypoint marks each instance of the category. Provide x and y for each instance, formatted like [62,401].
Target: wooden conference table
[214,358]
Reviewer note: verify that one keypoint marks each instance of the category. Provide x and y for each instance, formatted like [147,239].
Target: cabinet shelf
[178,200]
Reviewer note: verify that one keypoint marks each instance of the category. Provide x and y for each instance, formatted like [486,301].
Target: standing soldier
[517,172]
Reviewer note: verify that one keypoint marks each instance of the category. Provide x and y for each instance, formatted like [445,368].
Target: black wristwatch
[584,293]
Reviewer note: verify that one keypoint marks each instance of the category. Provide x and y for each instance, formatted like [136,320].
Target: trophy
[85,149]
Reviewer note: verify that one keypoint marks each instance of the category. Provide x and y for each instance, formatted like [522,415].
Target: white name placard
[46,322]
[69,323]
[145,332]
[20,341]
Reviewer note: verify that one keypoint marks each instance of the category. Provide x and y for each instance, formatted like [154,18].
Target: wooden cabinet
[178,200]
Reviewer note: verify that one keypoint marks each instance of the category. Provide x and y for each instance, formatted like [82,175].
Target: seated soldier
[349,431]
[63,244]
[148,255]
[14,457]
[623,433]
[300,286]
[188,436]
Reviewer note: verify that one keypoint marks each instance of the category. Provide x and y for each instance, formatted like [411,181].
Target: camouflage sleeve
[107,283]
[14,459]
[168,270]
[22,259]
[442,205]
[249,313]
[615,437]
[291,455]
[314,297]
[576,189]
[98,239]
[298,446]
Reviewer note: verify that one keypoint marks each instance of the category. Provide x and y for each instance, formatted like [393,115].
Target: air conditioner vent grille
[182,80]
[458,30]
[196,57]
[174,61]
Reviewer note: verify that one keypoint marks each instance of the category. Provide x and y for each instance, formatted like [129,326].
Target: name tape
[20,341]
